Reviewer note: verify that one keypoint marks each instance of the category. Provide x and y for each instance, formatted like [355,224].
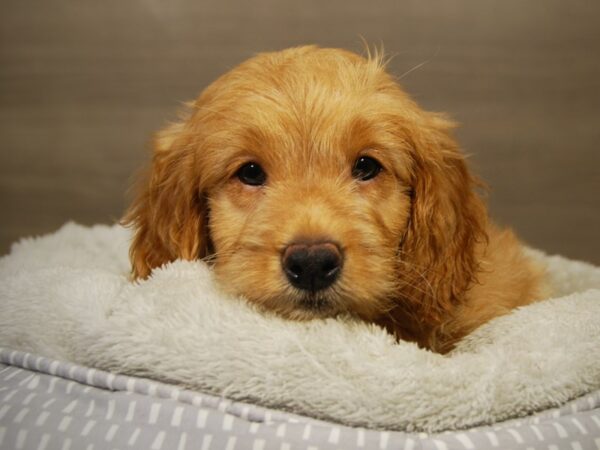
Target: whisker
[422,276]
[213,256]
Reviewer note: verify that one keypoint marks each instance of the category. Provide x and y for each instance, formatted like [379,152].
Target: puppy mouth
[317,304]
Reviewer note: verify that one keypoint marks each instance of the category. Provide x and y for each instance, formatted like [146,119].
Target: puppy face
[322,168]
[315,186]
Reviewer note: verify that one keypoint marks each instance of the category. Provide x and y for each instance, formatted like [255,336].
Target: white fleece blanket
[67,296]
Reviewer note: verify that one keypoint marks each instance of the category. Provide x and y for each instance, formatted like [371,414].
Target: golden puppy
[316,186]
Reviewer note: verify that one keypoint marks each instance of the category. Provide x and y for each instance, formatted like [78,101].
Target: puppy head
[315,186]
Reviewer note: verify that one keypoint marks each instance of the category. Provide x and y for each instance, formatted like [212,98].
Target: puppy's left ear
[168,214]
[447,221]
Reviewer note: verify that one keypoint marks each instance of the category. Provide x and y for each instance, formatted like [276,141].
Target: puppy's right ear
[168,212]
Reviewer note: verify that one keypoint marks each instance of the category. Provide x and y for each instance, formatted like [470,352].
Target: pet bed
[67,297]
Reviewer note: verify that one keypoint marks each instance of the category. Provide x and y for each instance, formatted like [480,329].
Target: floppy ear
[168,214]
[448,220]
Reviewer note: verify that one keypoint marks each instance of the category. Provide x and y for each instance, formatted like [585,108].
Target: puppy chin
[316,305]
[305,305]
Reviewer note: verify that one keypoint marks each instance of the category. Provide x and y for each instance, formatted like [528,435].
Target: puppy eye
[252,174]
[366,168]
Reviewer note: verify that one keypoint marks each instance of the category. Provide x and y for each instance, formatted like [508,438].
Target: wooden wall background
[83,84]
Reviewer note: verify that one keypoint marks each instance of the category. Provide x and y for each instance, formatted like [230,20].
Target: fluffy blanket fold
[67,296]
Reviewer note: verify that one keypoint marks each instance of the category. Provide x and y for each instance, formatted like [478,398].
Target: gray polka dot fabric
[46,404]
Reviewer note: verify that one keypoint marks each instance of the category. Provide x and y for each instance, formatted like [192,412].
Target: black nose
[312,267]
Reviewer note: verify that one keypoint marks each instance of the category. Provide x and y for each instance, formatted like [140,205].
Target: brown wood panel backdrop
[83,84]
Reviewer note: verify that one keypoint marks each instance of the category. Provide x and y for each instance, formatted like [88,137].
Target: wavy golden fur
[420,256]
